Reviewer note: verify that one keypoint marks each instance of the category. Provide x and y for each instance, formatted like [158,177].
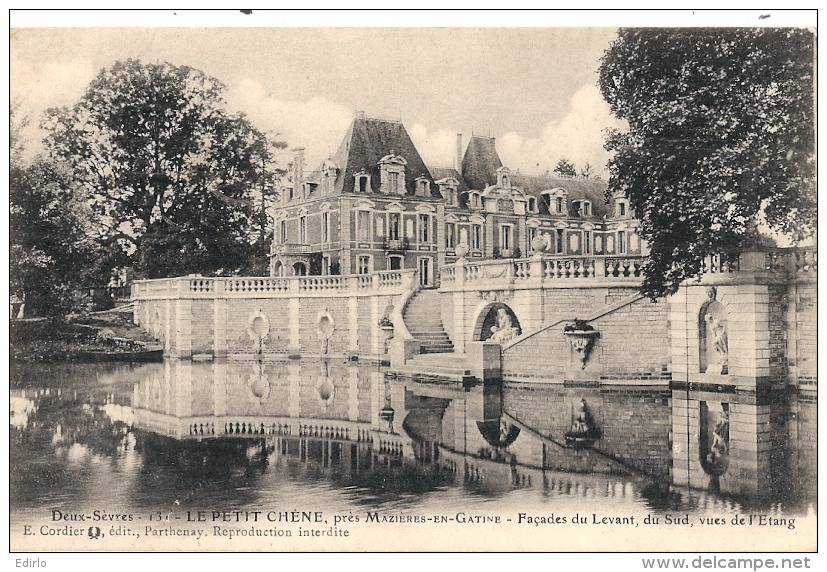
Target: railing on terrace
[800,262]
[289,248]
[390,281]
[396,244]
[546,268]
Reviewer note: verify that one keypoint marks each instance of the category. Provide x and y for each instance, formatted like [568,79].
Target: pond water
[186,445]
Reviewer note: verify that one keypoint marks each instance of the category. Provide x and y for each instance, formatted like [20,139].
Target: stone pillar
[440,237]
[345,210]
[520,240]
[484,360]
[489,235]
[459,335]
[183,328]
[353,325]
[748,330]
[167,327]
[294,347]
[220,327]
[377,339]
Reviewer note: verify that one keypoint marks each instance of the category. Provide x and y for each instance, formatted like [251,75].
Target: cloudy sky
[532,88]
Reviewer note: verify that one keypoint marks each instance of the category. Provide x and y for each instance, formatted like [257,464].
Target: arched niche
[496,322]
[713,342]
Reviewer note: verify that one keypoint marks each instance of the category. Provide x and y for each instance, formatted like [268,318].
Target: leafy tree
[565,168]
[52,252]
[169,171]
[720,139]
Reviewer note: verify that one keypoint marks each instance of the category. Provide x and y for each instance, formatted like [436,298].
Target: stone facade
[375,205]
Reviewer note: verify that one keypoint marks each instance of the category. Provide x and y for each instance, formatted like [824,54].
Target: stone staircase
[422,318]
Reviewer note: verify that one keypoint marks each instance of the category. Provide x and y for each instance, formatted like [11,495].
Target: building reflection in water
[354,426]
[222,430]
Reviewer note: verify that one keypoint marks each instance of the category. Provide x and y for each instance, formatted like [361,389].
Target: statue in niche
[719,338]
[582,433]
[581,427]
[720,438]
[504,330]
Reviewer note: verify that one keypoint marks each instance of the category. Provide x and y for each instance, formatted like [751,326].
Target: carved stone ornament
[257,328]
[582,342]
[495,295]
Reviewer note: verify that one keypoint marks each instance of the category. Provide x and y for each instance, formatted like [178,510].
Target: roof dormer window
[585,208]
[475,200]
[532,204]
[423,187]
[362,182]
[392,174]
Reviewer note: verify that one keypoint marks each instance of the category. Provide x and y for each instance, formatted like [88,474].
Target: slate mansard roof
[366,143]
[368,140]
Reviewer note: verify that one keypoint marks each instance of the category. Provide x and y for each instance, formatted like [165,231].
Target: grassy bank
[78,338]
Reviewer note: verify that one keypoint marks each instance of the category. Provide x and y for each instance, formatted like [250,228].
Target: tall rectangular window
[505,237]
[530,233]
[621,242]
[560,243]
[362,226]
[559,204]
[622,207]
[283,231]
[363,265]
[303,230]
[325,226]
[476,237]
[393,179]
[450,235]
[587,242]
[424,230]
[393,226]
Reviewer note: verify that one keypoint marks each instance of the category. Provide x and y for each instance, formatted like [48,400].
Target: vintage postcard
[310,288]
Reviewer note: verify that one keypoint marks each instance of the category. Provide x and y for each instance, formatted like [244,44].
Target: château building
[375,205]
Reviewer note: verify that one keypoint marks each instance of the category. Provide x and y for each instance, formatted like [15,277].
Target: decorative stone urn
[538,244]
[582,337]
[461,250]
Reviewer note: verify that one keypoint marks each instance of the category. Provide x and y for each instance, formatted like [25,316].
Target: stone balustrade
[551,270]
[388,281]
[546,270]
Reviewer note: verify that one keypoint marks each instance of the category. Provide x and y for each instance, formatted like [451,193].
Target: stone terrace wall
[633,343]
[218,317]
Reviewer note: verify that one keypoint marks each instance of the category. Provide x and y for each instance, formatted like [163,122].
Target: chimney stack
[458,155]
[298,171]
